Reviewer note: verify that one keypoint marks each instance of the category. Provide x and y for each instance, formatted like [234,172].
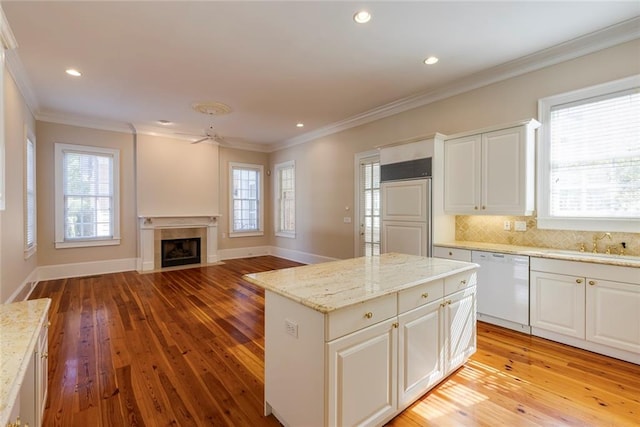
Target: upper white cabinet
[491,171]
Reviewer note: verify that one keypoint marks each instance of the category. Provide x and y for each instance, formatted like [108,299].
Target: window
[245,200]
[30,197]
[286,199]
[589,158]
[87,196]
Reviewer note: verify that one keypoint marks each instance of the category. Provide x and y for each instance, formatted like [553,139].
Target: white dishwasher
[503,289]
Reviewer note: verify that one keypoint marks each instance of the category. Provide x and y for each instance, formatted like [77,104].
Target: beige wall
[241,156]
[176,177]
[14,269]
[324,167]
[50,133]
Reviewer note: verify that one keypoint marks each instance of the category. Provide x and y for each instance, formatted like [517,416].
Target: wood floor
[185,348]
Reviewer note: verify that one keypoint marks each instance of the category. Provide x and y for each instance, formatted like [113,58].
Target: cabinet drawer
[451,253]
[350,319]
[416,296]
[459,281]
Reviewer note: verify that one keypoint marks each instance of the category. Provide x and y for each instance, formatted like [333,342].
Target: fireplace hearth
[175,252]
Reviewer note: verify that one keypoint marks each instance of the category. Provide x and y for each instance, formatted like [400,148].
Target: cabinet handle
[450,253]
[368,315]
[447,302]
[592,282]
[475,207]
[484,207]
[463,282]
[44,355]
[425,295]
[49,323]
[578,280]
[395,324]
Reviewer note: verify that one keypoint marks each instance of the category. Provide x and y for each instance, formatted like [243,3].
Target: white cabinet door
[421,359]
[460,327]
[462,174]
[613,314]
[362,375]
[405,237]
[504,171]
[405,200]
[557,303]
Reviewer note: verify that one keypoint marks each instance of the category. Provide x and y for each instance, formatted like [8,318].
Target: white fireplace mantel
[147,224]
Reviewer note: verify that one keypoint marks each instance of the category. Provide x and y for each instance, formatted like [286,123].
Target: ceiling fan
[210,134]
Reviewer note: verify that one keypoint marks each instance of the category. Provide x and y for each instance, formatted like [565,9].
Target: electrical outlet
[291,327]
[506,226]
[521,225]
[346,220]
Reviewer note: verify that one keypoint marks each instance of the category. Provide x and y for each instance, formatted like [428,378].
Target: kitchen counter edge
[540,253]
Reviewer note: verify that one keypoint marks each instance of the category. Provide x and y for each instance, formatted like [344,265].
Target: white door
[368,185]
[421,359]
[405,237]
[613,314]
[462,175]
[362,376]
[460,327]
[503,171]
[558,303]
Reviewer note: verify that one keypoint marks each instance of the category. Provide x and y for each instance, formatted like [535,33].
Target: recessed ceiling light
[362,17]
[300,125]
[431,60]
[164,122]
[73,72]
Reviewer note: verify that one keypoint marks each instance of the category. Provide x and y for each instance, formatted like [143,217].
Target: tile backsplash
[490,229]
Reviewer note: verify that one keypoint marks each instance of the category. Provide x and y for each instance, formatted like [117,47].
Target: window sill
[28,253]
[246,234]
[86,243]
[287,234]
[589,224]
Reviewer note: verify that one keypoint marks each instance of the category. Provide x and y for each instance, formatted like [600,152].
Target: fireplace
[180,252]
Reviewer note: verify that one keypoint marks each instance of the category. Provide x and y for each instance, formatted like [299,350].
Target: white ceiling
[278,63]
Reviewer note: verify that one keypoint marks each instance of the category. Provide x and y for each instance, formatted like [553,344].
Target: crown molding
[86,122]
[607,37]
[7,38]
[17,71]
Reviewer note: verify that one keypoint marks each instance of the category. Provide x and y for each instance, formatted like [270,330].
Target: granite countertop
[563,254]
[19,324]
[333,285]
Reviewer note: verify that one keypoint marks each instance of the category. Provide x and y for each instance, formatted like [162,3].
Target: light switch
[346,220]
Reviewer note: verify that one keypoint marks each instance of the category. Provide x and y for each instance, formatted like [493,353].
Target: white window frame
[60,241]
[545,220]
[30,247]
[260,170]
[291,164]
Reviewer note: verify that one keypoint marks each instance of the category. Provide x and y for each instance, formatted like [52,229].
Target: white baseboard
[25,288]
[628,356]
[243,252]
[61,271]
[299,256]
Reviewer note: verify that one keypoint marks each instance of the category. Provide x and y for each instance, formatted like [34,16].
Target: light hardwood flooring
[186,347]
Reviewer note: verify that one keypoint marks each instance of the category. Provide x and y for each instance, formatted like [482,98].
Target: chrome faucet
[596,239]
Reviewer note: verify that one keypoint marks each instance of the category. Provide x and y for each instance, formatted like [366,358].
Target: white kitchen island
[355,342]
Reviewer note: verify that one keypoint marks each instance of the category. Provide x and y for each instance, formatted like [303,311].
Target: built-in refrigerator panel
[406,207]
